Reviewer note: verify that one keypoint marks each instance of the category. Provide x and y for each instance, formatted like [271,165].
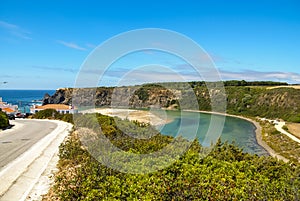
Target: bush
[47,114]
[225,174]
[4,122]
[285,128]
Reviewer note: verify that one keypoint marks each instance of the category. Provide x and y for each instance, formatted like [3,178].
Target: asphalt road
[15,142]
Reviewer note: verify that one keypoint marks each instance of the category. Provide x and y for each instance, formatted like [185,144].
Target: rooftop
[54,106]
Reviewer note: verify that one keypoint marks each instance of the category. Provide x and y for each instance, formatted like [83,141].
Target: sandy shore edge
[258,132]
[148,117]
[142,116]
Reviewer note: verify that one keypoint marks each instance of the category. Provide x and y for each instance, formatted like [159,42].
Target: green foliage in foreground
[4,122]
[225,174]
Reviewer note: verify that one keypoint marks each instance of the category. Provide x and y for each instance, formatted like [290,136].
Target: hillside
[242,98]
[226,173]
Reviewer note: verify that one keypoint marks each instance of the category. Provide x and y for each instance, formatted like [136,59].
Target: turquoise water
[235,130]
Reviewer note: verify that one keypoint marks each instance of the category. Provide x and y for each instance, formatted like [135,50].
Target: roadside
[14,126]
[20,176]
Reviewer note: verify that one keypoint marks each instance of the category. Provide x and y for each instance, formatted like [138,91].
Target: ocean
[24,98]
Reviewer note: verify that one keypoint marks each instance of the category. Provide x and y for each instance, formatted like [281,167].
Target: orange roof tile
[54,106]
[9,110]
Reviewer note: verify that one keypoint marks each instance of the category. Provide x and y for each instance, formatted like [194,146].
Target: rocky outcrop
[61,96]
[134,97]
[253,101]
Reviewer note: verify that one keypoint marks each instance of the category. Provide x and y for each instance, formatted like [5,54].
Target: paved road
[26,153]
[15,142]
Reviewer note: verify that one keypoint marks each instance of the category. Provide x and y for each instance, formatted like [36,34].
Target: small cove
[238,131]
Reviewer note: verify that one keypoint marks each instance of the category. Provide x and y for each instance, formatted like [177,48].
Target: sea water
[24,98]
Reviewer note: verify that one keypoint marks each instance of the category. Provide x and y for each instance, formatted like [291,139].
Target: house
[61,108]
[7,107]
[8,110]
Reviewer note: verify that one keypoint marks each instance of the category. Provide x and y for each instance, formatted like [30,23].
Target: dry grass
[294,128]
[291,86]
[280,143]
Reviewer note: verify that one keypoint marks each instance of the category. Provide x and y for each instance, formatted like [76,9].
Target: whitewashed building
[61,108]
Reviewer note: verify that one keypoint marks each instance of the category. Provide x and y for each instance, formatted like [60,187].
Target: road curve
[27,151]
[279,126]
[16,141]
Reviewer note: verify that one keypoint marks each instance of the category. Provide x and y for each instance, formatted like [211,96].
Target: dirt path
[279,126]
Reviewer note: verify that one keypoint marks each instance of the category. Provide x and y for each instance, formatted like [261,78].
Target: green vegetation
[53,114]
[270,103]
[142,94]
[4,122]
[285,128]
[280,143]
[243,98]
[226,173]
[46,114]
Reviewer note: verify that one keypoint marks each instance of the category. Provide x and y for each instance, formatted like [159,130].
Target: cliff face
[62,96]
[123,97]
[254,101]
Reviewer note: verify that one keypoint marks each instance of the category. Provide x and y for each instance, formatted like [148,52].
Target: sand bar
[142,116]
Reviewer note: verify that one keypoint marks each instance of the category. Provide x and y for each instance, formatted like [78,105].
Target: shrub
[285,128]
[4,122]
[225,174]
[47,114]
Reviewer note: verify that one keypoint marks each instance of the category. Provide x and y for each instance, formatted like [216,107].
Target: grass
[280,143]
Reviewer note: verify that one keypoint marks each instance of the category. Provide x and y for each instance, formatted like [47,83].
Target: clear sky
[44,43]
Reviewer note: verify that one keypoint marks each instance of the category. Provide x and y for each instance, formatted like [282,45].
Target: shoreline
[258,132]
[148,117]
[142,116]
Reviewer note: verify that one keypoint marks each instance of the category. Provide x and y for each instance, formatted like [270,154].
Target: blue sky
[44,43]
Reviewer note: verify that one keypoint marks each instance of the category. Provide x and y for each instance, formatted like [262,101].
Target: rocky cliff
[134,97]
[253,101]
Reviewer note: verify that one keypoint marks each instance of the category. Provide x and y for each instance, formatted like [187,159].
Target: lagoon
[194,124]
[238,131]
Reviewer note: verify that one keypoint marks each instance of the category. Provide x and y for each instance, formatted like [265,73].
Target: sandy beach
[132,115]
